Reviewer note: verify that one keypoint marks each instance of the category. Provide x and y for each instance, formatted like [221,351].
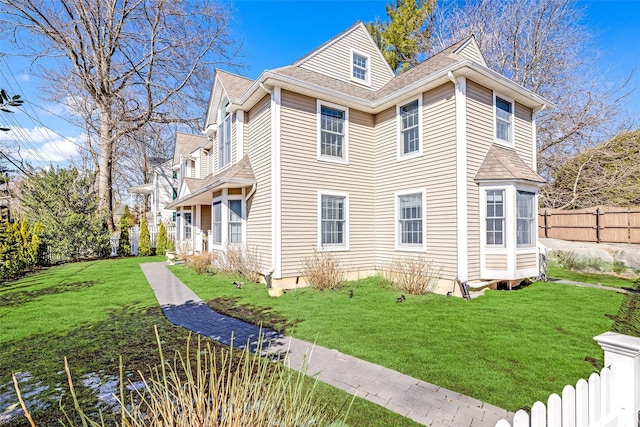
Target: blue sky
[276,33]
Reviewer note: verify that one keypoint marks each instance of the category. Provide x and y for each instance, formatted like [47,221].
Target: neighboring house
[162,190]
[336,152]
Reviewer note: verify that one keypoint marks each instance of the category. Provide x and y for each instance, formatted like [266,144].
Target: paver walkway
[420,401]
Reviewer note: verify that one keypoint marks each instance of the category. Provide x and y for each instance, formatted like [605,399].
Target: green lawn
[558,272]
[506,348]
[93,313]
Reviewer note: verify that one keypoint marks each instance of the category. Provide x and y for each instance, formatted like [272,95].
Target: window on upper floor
[333,220]
[360,67]
[410,216]
[224,136]
[174,193]
[332,133]
[410,129]
[525,218]
[504,120]
[495,213]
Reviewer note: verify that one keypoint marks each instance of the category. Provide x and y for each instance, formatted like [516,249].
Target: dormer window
[224,135]
[360,67]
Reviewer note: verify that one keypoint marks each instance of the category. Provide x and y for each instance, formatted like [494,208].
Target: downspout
[250,193]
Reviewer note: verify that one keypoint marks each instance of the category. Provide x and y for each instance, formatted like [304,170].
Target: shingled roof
[504,164]
[234,85]
[186,144]
[237,176]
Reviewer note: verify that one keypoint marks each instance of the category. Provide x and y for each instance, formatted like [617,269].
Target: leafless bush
[322,270]
[243,260]
[413,275]
[203,262]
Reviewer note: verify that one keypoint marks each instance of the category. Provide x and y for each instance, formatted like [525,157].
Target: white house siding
[258,145]
[303,175]
[335,60]
[523,118]
[434,171]
[496,262]
[480,136]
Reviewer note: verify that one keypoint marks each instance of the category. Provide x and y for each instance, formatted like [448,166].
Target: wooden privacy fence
[606,400]
[599,224]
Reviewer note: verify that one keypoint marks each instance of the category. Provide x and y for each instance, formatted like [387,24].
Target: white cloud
[23,77]
[43,145]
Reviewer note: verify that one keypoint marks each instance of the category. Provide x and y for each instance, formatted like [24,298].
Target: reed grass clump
[213,387]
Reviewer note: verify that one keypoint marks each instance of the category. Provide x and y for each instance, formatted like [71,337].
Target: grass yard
[558,272]
[93,313]
[506,348]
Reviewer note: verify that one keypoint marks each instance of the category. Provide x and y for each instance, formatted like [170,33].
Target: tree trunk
[105,177]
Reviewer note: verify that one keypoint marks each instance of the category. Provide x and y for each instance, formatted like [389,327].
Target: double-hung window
[410,220]
[525,220]
[333,123]
[235,221]
[217,223]
[224,136]
[504,119]
[360,67]
[495,217]
[333,221]
[409,129]
[186,224]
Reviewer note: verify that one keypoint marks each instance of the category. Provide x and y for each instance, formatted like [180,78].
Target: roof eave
[216,185]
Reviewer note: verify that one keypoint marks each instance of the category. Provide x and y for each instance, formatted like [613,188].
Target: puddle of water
[105,387]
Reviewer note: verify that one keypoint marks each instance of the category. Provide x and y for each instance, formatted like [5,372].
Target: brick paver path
[420,401]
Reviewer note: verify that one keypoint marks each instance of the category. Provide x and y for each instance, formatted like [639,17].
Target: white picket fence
[134,238]
[611,399]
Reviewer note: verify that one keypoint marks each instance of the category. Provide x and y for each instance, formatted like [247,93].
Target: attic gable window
[360,67]
[224,135]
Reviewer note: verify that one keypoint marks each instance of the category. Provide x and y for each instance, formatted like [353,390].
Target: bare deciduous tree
[544,46]
[608,174]
[138,62]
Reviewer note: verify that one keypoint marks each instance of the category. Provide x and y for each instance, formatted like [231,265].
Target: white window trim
[510,142]
[217,245]
[534,223]
[399,144]
[345,245]
[367,81]
[225,212]
[506,210]
[221,123]
[405,247]
[345,141]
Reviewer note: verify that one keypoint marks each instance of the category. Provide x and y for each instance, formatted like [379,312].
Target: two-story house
[336,152]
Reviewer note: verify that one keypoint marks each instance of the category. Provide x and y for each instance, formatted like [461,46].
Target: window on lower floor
[186,225]
[217,223]
[235,221]
[410,220]
[333,221]
[525,219]
[495,217]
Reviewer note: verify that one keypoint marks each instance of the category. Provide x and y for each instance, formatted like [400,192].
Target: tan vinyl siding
[335,60]
[523,130]
[526,261]
[258,145]
[204,163]
[205,218]
[434,171]
[480,136]
[470,52]
[496,262]
[303,175]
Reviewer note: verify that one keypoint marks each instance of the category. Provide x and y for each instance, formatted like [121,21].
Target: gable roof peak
[328,43]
